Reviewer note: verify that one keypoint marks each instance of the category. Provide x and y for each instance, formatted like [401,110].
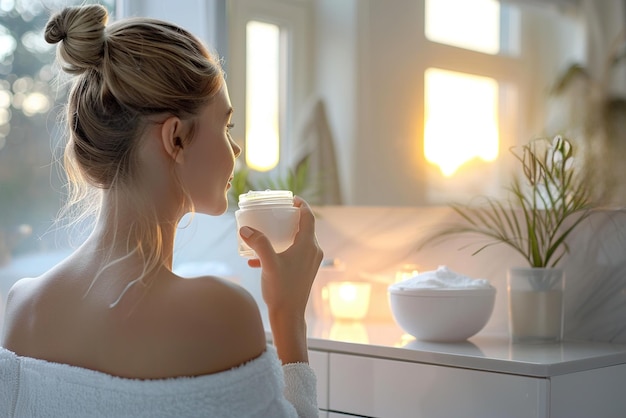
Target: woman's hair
[125,73]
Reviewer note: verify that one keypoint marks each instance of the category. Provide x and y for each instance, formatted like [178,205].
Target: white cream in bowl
[442,305]
[442,278]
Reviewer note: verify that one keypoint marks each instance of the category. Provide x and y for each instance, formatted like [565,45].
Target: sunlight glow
[5,116]
[262,95]
[469,24]
[7,43]
[461,120]
[5,99]
[35,103]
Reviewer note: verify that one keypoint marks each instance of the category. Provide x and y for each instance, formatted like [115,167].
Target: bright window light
[262,95]
[469,24]
[461,120]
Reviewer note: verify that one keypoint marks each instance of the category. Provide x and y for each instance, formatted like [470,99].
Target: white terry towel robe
[36,388]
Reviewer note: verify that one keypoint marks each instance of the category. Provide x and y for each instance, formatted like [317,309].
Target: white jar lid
[265,197]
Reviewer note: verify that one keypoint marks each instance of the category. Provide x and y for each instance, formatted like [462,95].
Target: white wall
[552,43]
[204,18]
[336,79]
[364,75]
[605,22]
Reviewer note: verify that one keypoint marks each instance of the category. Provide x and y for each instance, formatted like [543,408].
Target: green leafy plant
[295,180]
[544,206]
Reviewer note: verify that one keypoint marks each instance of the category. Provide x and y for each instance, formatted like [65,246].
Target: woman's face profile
[209,158]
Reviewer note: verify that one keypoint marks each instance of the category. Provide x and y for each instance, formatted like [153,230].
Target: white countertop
[482,352]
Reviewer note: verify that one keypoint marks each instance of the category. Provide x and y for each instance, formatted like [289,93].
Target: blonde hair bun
[81,33]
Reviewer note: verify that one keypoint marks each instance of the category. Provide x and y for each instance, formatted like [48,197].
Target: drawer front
[388,388]
[592,393]
[318,360]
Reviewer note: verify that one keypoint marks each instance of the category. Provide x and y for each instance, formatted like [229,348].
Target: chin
[214,209]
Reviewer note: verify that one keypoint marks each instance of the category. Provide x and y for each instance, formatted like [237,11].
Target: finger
[258,242]
[254,262]
[307,218]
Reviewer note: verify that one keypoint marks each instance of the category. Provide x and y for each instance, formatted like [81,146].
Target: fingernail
[246,232]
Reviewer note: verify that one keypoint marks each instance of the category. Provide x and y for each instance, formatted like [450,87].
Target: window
[459,127]
[30,101]
[466,24]
[268,69]
[465,91]
[262,95]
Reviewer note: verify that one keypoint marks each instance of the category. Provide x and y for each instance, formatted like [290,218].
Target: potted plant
[545,205]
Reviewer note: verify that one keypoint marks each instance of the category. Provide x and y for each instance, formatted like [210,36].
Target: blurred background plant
[591,111]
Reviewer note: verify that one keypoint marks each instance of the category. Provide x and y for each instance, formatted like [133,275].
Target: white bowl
[442,315]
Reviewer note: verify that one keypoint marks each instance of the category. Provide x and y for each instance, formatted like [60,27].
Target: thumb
[257,241]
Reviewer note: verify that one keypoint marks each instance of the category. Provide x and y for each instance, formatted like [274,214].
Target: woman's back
[174,327]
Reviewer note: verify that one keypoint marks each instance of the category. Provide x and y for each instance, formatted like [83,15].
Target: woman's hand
[287,277]
[286,281]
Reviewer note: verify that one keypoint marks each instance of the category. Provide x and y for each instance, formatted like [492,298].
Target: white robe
[36,388]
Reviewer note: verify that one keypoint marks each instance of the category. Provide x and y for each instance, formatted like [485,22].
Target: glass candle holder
[349,300]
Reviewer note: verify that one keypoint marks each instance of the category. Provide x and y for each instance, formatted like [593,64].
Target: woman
[148,119]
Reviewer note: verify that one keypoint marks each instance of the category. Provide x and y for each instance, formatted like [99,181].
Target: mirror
[369,66]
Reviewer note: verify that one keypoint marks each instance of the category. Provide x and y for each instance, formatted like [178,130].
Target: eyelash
[230,126]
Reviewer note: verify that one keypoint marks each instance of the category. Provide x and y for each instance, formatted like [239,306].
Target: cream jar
[272,212]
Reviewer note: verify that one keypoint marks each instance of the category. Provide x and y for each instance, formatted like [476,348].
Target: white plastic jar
[271,212]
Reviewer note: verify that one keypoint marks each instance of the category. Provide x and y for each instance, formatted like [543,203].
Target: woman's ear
[171,138]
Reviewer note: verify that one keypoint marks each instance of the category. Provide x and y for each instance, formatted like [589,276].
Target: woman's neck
[125,225]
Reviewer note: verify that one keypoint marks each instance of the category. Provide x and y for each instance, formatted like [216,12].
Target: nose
[236,148]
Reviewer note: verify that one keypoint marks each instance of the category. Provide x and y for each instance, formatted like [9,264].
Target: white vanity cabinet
[483,379]
[375,387]
[388,388]
[318,360]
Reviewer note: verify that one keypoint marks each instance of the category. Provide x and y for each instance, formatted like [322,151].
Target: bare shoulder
[20,287]
[17,311]
[179,327]
[217,323]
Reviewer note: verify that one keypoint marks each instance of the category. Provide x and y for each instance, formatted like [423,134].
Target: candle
[349,300]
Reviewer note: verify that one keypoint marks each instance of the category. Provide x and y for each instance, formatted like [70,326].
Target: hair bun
[81,30]
[55,30]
